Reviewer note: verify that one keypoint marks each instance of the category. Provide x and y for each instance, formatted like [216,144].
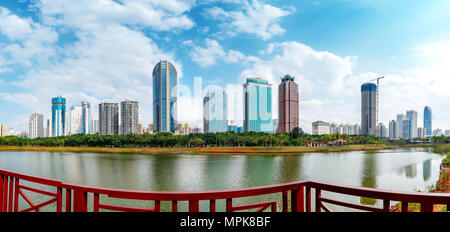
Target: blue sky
[105,49]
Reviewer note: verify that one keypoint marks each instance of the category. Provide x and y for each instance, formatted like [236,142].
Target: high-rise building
[36,126]
[129,117]
[400,118]
[108,118]
[59,117]
[86,117]
[164,97]
[288,114]
[215,111]
[320,128]
[393,129]
[3,130]
[382,131]
[258,105]
[406,129]
[447,132]
[412,116]
[76,114]
[427,121]
[95,127]
[369,109]
[420,133]
[437,132]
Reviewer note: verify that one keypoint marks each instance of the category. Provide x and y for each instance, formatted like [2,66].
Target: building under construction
[369,109]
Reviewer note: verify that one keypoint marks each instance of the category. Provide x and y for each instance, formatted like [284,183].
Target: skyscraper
[165,97]
[59,116]
[427,121]
[368,109]
[406,129]
[215,111]
[412,116]
[75,120]
[129,117]
[400,118]
[36,126]
[108,118]
[393,129]
[258,106]
[288,115]
[86,118]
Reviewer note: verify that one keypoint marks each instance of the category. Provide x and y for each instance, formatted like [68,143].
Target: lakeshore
[217,150]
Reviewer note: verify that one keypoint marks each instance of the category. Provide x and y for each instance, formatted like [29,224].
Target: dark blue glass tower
[164,97]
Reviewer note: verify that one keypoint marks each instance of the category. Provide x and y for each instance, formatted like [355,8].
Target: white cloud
[29,41]
[213,52]
[255,18]
[161,15]
[112,63]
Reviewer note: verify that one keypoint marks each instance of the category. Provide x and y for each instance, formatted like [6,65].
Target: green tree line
[225,139]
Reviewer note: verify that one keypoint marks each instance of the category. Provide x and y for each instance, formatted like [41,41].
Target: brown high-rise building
[287,104]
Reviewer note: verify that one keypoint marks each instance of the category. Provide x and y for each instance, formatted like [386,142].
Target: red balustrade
[295,197]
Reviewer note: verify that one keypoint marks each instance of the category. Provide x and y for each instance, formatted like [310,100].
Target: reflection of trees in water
[411,170]
[440,150]
[426,169]
[288,169]
[368,177]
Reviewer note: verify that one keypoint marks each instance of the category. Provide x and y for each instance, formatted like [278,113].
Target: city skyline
[113,58]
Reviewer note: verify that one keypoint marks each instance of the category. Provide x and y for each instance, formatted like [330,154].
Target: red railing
[295,197]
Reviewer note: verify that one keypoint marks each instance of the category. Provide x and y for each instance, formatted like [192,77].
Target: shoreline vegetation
[217,150]
[221,142]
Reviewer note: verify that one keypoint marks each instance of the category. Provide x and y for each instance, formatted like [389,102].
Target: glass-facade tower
[427,121]
[258,106]
[215,111]
[164,97]
[59,124]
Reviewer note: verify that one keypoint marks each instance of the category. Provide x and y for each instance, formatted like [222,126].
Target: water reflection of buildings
[426,169]
[411,170]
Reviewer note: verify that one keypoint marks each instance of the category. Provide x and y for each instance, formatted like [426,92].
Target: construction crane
[378,93]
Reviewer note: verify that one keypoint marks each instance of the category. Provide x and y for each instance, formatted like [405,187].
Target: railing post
[68,200]
[193,206]
[79,200]
[212,205]
[174,206]
[308,199]
[1,192]
[404,206]
[426,207]
[11,194]
[229,204]
[58,199]
[386,205]
[16,195]
[296,200]
[318,202]
[285,201]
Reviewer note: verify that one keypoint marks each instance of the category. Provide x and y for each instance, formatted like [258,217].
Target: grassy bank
[212,150]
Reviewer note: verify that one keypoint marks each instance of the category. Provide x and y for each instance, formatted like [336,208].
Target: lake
[412,169]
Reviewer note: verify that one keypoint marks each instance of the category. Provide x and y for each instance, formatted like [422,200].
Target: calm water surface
[415,169]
